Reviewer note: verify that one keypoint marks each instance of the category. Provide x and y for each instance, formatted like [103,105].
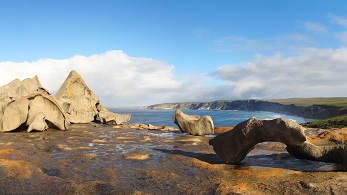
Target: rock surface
[26,104]
[81,104]
[77,100]
[106,116]
[37,111]
[193,124]
[101,159]
[234,145]
[17,89]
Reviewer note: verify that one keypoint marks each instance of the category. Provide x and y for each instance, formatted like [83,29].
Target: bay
[220,117]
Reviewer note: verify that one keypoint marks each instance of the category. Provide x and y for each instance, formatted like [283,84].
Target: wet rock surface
[104,159]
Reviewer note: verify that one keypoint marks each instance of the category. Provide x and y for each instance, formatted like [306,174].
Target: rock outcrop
[106,116]
[37,111]
[81,104]
[193,124]
[77,100]
[17,89]
[234,145]
[27,105]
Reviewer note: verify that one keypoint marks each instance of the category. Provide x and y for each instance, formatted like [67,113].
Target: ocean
[219,117]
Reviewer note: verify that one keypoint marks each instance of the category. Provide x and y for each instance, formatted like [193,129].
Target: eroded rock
[309,151]
[234,145]
[14,115]
[54,115]
[77,100]
[193,124]
[37,111]
[106,116]
[81,104]
[17,89]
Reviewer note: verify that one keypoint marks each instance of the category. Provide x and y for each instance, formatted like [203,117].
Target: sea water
[219,117]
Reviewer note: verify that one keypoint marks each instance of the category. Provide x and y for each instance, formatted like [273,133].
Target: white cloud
[315,27]
[342,36]
[287,42]
[315,72]
[116,78]
[341,21]
[121,80]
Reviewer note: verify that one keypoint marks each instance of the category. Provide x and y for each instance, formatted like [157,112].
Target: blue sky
[203,50]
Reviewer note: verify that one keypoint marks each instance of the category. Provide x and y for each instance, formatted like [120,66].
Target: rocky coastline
[77,146]
[310,112]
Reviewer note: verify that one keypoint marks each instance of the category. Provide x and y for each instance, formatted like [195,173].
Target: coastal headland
[311,108]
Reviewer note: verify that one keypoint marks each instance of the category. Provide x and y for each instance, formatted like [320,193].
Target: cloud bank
[314,73]
[120,80]
[117,79]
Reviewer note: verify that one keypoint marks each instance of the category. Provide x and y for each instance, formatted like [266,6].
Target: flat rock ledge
[234,145]
[146,127]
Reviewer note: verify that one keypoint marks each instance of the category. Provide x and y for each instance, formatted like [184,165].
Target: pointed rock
[77,100]
[81,104]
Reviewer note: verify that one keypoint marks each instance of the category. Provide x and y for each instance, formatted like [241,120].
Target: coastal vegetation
[334,122]
[340,103]
[329,101]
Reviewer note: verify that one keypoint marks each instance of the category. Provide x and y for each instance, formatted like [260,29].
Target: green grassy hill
[334,122]
[331,101]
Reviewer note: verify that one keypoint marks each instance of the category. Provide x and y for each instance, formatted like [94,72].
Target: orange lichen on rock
[16,169]
[136,156]
[203,165]
[265,174]
[5,152]
[161,174]
[222,129]
[338,136]
[234,188]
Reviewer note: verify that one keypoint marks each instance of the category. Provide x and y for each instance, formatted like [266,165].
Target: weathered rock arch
[234,145]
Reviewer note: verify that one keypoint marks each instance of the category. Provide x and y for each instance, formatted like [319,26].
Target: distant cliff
[312,111]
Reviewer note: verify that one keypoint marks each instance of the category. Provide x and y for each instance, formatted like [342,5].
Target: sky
[144,52]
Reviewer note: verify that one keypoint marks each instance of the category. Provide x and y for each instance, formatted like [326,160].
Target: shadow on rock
[280,160]
[209,158]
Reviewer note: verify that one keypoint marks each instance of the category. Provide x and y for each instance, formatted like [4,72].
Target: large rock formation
[17,89]
[77,100]
[81,104]
[22,103]
[37,111]
[193,124]
[234,145]
[27,105]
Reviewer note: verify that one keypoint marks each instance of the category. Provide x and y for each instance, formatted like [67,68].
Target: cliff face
[312,112]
